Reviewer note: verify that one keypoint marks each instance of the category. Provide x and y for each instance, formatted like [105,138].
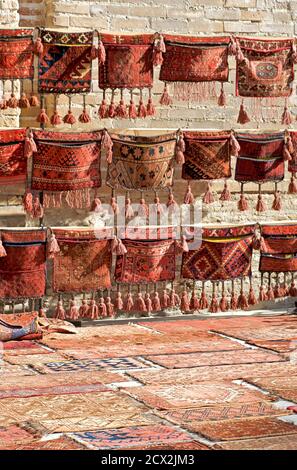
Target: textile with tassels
[14,155]
[193,65]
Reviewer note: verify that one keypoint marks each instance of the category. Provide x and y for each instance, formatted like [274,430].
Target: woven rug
[289,394]
[275,383]
[285,442]
[195,395]
[13,163]
[229,430]
[130,436]
[8,370]
[36,359]
[139,162]
[61,443]
[196,375]
[207,155]
[177,361]
[16,54]
[8,353]
[191,445]
[280,345]
[279,249]
[55,390]
[23,269]
[65,63]
[220,413]
[267,333]
[12,347]
[92,423]
[13,435]
[70,273]
[57,407]
[122,363]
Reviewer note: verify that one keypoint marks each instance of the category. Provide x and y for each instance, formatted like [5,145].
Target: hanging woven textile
[144,163]
[292,163]
[22,263]
[224,256]
[264,69]
[148,264]
[13,158]
[126,63]
[194,65]
[65,67]
[17,63]
[208,157]
[65,167]
[82,261]
[261,160]
[278,260]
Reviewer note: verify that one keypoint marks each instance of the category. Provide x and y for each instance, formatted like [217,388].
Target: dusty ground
[183,384]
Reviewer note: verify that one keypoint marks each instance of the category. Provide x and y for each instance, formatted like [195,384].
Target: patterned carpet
[182,385]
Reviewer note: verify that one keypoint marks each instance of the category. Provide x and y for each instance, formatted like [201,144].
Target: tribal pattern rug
[35,358]
[284,442]
[13,163]
[221,413]
[16,54]
[61,443]
[179,361]
[83,263]
[277,345]
[65,64]
[278,248]
[140,162]
[229,430]
[266,333]
[207,155]
[14,434]
[260,157]
[146,261]
[191,445]
[265,67]
[130,436]
[22,270]
[275,383]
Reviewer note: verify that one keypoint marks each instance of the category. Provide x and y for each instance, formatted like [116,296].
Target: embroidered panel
[65,65]
[16,54]
[13,163]
[278,248]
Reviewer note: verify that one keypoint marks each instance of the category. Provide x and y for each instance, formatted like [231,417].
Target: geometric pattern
[279,248]
[65,64]
[207,155]
[285,442]
[13,163]
[16,54]
[269,69]
[140,162]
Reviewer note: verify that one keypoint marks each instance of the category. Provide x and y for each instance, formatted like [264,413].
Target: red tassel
[69,118]
[156,304]
[242,301]
[34,101]
[224,306]
[42,117]
[73,312]
[103,111]
[235,147]
[84,309]
[28,202]
[180,148]
[150,108]
[2,250]
[107,145]
[141,112]
[3,104]
[293,289]
[203,302]
[208,196]
[270,293]
[243,203]
[93,310]
[185,303]
[165,99]
[233,301]
[109,308]
[158,206]
[132,109]
[189,197]
[112,108]
[102,310]
[194,302]
[37,210]
[165,299]
[277,203]
[171,203]
[226,195]
[262,294]
[129,212]
[129,303]
[158,51]
[286,154]
[119,304]
[286,116]
[53,246]
[243,117]
[214,305]
[174,300]
[289,144]
[30,146]
[13,101]
[293,185]
[96,205]
[278,292]
[56,119]
[148,303]
[252,298]
[23,101]
[101,53]
[114,206]
[184,244]
[222,98]
[121,110]
[139,305]
[118,247]
[94,53]
[84,117]
[261,206]
[143,210]
[59,311]
[38,47]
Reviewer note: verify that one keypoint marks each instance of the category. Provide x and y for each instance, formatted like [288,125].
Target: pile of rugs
[199,389]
